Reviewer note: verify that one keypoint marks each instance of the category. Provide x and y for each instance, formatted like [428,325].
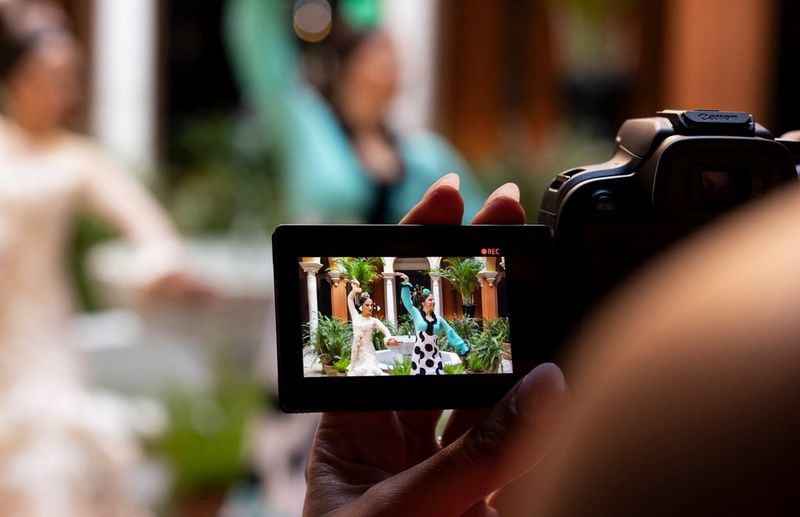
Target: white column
[436,285]
[388,285]
[124,79]
[413,26]
[311,269]
[436,289]
[389,289]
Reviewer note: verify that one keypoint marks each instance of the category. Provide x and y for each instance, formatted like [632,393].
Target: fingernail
[448,180]
[541,393]
[508,190]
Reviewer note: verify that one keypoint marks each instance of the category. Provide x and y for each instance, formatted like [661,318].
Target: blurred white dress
[62,448]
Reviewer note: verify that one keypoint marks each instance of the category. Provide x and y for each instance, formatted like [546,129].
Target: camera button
[604,202]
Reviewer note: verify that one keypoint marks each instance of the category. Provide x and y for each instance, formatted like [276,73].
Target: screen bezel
[527,293]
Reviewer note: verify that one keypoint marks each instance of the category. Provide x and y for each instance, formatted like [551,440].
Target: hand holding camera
[350,453]
[719,161]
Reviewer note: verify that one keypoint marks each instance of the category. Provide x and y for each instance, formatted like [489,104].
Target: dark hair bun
[23,26]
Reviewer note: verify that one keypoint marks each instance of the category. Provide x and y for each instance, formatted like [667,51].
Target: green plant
[332,340]
[498,327]
[215,159]
[462,274]
[342,364]
[476,364]
[402,367]
[363,269]
[467,328]
[86,233]
[206,439]
[405,326]
[450,369]
[489,349]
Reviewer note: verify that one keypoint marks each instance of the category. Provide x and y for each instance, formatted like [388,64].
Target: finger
[420,429]
[521,497]
[501,207]
[441,204]
[791,135]
[422,423]
[460,422]
[514,436]
[343,440]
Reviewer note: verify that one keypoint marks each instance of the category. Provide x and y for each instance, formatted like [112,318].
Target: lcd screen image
[388,316]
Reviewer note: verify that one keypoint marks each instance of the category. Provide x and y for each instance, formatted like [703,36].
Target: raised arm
[405,296]
[264,55]
[454,339]
[351,304]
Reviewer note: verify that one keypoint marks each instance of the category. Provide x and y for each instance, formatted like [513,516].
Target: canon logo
[718,116]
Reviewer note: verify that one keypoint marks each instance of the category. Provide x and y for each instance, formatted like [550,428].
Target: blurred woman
[340,159]
[63,450]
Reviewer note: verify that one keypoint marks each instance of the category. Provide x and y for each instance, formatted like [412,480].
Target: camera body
[670,175]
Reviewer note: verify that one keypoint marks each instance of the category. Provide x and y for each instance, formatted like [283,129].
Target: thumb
[513,437]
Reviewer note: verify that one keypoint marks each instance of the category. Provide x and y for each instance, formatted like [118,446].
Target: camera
[379,317]
[670,175]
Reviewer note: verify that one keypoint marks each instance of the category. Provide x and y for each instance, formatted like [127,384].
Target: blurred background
[239,115]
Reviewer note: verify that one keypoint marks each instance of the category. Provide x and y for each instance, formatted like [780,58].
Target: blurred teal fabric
[321,177]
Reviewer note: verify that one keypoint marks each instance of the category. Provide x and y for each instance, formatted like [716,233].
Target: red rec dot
[483,251]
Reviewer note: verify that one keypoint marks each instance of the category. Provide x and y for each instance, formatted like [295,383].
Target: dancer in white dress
[363,360]
[63,448]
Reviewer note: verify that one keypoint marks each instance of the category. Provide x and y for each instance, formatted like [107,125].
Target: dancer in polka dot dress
[426,358]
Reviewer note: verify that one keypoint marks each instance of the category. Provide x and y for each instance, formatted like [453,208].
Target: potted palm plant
[363,269]
[463,275]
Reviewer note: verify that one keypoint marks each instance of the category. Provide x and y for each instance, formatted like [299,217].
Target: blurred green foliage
[220,176]
[207,431]
[87,231]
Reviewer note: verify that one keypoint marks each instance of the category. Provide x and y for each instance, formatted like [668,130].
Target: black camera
[412,343]
[670,175]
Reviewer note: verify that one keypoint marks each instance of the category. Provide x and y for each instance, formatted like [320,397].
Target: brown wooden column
[338,292]
[378,296]
[469,100]
[719,55]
